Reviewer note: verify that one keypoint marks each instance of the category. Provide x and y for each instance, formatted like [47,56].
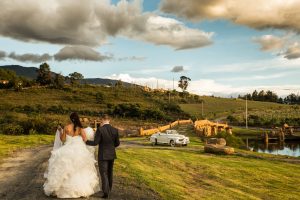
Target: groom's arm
[96,139]
[117,140]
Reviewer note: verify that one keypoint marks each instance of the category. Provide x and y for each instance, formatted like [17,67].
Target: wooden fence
[163,128]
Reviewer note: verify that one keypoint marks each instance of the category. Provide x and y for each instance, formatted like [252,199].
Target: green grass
[9,144]
[246,132]
[215,107]
[179,174]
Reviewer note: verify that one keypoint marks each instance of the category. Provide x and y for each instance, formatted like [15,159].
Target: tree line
[45,77]
[270,96]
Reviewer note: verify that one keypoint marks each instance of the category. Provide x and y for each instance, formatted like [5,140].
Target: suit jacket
[107,137]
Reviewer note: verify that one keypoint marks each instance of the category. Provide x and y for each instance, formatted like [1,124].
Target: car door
[163,138]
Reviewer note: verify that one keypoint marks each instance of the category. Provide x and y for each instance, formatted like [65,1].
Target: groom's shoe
[104,196]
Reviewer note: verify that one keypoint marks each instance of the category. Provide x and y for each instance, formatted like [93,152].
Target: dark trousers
[106,173]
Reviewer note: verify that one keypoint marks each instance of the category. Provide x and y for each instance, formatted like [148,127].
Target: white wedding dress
[71,172]
[90,135]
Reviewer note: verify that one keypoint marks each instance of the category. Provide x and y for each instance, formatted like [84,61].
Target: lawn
[180,174]
[8,144]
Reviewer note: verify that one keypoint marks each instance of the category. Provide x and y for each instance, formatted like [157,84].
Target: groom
[108,139]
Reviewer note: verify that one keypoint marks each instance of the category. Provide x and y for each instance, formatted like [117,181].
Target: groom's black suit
[108,139]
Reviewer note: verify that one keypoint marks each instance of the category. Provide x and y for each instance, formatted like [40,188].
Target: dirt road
[21,178]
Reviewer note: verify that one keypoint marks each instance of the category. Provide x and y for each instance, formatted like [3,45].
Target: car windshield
[172,132]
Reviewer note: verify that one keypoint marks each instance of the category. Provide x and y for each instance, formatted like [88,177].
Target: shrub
[100,97]
[13,129]
[39,125]
[232,119]
[231,140]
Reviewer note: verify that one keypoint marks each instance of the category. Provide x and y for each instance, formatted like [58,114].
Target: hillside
[48,107]
[31,73]
[219,109]
[27,72]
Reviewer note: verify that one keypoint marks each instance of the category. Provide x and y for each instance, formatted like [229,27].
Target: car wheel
[172,143]
[154,143]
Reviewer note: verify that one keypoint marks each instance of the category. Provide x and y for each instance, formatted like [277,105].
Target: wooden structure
[286,132]
[164,128]
[207,128]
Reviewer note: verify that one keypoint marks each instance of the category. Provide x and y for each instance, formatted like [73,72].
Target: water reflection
[279,148]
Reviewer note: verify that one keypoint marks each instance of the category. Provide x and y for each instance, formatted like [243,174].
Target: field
[259,113]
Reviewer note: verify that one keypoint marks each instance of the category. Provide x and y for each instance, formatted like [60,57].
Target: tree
[183,83]
[119,83]
[75,78]
[44,75]
[255,95]
[7,78]
[261,95]
[59,81]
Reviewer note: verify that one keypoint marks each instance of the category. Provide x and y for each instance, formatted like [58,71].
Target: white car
[171,137]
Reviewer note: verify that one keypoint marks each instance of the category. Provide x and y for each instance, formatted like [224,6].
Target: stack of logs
[218,145]
[207,128]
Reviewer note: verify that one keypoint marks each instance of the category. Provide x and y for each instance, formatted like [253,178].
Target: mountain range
[31,73]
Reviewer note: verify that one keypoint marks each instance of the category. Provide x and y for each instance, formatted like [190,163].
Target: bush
[232,119]
[13,129]
[38,125]
[100,97]
[231,140]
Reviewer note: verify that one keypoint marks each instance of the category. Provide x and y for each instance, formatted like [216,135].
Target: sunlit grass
[179,174]
[8,144]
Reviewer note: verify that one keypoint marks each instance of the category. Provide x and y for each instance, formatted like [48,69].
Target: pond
[276,148]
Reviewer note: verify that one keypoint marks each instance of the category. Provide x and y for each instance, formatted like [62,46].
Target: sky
[226,47]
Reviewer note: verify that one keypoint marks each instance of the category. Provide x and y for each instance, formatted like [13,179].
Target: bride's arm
[63,134]
[96,140]
[83,135]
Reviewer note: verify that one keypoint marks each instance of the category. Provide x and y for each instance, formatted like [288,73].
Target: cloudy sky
[226,47]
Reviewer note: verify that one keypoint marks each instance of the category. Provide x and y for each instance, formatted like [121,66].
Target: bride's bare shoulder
[68,126]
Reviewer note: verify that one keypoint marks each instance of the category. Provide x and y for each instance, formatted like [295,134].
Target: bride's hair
[75,120]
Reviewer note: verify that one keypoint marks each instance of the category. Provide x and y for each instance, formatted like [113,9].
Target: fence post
[141,131]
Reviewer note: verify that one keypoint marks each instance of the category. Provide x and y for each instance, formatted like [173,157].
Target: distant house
[4,82]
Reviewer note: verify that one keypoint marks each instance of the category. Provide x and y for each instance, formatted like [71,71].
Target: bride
[71,172]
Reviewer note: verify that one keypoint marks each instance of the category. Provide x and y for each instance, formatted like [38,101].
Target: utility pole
[246,112]
[202,108]
[169,96]
[173,83]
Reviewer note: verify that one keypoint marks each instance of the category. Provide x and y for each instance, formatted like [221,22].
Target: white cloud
[270,42]
[132,58]
[206,86]
[255,77]
[80,53]
[167,31]
[293,51]
[258,14]
[29,57]
[91,22]
[177,69]
[2,55]
[254,66]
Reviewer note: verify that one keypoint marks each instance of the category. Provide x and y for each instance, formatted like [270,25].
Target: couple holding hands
[71,171]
